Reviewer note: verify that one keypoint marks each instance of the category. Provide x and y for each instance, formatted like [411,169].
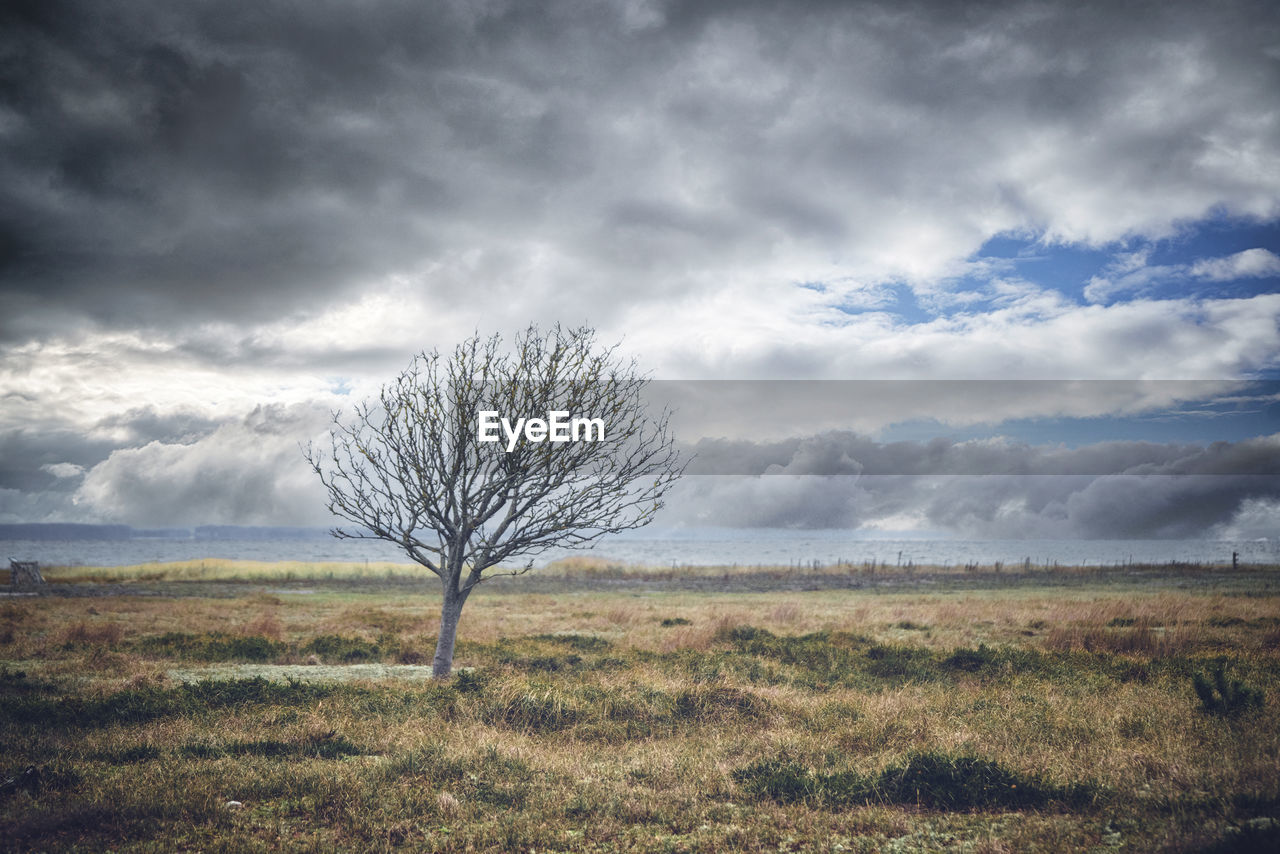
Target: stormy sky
[1049,231]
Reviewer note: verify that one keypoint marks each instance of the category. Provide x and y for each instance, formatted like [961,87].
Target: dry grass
[217,569]
[616,721]
[99,633]
[265,625]
[586,568]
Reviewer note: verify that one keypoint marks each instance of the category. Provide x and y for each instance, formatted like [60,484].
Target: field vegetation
[583,568]
[1103,715]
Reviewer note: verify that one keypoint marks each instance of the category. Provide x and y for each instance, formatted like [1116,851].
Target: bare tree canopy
[413,468]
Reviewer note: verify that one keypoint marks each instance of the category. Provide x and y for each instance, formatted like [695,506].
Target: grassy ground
[1036,717]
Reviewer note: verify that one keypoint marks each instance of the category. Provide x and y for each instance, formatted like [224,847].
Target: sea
[675,548]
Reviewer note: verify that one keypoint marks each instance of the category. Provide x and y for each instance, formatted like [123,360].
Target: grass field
[285,712]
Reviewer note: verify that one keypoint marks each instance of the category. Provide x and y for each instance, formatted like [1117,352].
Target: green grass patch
[128,755]
[137,705]
[213,646]
[838,659]
[578,643]
[933,780]
[219,647]
[347,650]
[595,712]
[332,747]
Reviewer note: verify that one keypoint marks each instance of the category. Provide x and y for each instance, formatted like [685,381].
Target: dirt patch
[301,672]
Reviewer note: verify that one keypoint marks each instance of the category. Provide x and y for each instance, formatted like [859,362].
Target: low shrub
[325,748]
[719,703]
[339,648]
[782,780]
[128,756]
[1225,697]
[971,660]
[580,643]
[469,681]
[932,780]
[1258,834]
[967,782]
[898,662]
[212,646]
[533,710]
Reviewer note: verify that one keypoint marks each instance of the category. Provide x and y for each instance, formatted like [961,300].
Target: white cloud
[1129,275]
[245,472]
[1249,264]
[1256,518]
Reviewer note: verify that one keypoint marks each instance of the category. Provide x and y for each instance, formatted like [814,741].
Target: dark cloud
[205,206]
[166,161]
[250,470]
[141,425]
[1108,507]
[984,489]
[989,507]
[845,453]
[41,468]
[756,410]
[253,160]
[24,455]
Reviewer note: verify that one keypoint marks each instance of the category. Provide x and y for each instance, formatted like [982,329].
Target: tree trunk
[450,611]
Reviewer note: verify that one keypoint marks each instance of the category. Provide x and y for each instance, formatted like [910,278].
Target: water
[754,547]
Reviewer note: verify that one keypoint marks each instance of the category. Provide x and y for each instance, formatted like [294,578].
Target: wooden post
[24,573]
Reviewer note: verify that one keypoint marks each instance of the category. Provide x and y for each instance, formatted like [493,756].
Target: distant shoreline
[665,549]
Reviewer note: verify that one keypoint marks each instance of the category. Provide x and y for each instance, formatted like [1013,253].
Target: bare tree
[411,468]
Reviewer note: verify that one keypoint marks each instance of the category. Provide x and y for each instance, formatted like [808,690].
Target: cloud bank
[220,221]
[251,471]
